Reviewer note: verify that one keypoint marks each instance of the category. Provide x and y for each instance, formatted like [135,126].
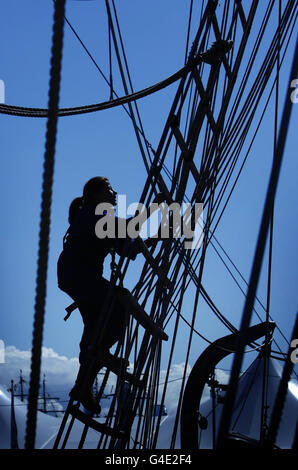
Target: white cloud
[222,376]
[61,373]
[174,384]
[59,370]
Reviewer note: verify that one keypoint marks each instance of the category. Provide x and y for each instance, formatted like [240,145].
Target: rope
[282,392]
[188,30]
[110,60]
[170,178]
[257,263]
[233,277]
[139,131]
[42,112]
[240,123]
[48,170]
[173,344]
[264,413]
[204,249]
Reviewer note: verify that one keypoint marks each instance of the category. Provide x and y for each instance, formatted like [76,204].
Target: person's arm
[135,242]
[159,198]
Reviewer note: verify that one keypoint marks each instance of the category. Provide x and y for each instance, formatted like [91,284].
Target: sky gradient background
[104,143]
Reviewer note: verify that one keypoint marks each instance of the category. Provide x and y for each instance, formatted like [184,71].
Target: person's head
[74,208]
[96,190]
[99,189]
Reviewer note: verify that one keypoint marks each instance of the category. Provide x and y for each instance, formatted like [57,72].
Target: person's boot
[110,359]
[82,390]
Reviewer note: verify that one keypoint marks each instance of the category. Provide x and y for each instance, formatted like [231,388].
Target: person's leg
[111,331]
[114,328]
[109,325]
[82,390]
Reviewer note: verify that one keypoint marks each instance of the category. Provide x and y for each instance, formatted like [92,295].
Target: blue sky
[104,144]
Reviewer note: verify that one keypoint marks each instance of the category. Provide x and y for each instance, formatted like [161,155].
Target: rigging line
[38,112]
[87,51]
[247,392]
[232,36]
[162,404]
[120,101]
[222,33]
[154,351]
[147,422]
[253,139]
[237,64]
[256,348]
[243,113]
[208,300]
[188,269]
[237,283]
[158,160]
[262,75]
[159,285]
[257,300]
[250,119]
[283,386]
[188,31]
[147,404]
[207,142]
[239,173]
[155,399]
[213,236]
[130,81]
[188,324]
[246,116]
[224,106]
[208,130]
[45,218]
[136,127]
[110,83]
[213,308]
[111,78]
[258,258]
[225,18]
[204,248]
[177,166]
[265,107]
[230,166]
[173,341]
[110,61]
[250,64]
[264,408]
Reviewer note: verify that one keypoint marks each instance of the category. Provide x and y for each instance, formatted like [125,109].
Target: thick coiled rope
[45,217]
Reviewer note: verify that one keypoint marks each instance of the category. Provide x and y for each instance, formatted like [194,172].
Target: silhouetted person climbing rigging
[80,275]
